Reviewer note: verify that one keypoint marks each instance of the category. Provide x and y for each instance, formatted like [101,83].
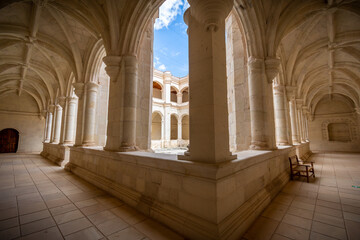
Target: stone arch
[156,122]
[174,127]
[185,94]
[173,94]
[185,127]
[157,90]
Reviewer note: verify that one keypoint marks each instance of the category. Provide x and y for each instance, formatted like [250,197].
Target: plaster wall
[21,113]
[334,111]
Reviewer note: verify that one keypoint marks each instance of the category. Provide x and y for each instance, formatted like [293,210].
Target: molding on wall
[19,113]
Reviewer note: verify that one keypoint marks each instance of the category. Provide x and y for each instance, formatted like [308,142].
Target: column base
[187,157]
[259,146]
[67,143]
[283,144]
[128,149]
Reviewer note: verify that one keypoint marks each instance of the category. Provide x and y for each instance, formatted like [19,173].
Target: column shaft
[70,120]
[90,114]
[49,120]
[209,132]
[57,124]
[293,118]
[280,117]
[79,92]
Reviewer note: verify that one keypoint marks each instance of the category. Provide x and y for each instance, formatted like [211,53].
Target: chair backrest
[293,161]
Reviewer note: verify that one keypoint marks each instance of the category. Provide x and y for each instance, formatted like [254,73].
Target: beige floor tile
[262,229]
[284,198]
[62,209]
[112,226]
[297,221]
[68,216]
[329,230]
[335,221]
[328,204]
[278,237]
[128,214]
[31,208]
[352,216]
[328,211]
[352,209]
[100,217]
[37,226]
[52,233]
[10,233]
[8,213]
[9,223]
[292,232]
[89,234]
[154,230]
[275,211]
[74,226]
[129,233]
[302,205]
[353,230]
[34,216]
[93,209]
[86,203]
[301,212]
[318,236]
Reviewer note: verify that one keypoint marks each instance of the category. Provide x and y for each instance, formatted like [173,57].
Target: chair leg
[307,176]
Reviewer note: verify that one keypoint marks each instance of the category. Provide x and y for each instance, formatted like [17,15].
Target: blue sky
[170,39]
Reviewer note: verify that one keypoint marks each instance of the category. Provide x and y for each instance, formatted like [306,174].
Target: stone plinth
[200,201]
[59,154]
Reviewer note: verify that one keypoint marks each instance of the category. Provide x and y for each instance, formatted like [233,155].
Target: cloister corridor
[40,200]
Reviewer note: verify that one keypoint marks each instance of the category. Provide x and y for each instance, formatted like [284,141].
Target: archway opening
[185,127]
[9,140]
[173,96]
[174,127]
[185,95]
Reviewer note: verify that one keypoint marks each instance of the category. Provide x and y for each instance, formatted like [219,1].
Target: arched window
[185,95]
[173,97]
[157,90]
[156,126]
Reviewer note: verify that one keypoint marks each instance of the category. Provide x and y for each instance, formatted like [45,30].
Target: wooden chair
[301,169]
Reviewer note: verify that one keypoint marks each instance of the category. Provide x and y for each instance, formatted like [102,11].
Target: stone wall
[200,201]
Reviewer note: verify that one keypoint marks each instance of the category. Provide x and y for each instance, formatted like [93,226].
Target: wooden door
[9,139]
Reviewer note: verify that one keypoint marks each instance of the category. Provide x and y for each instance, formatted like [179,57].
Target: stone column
[79,92]
[130,97]
[179,129]
[280,117]
[121,132]
[167,125]
[58,118]
[179,98]
[70,120]
[49,120]
[162,132]
[293,118]
[53,125]
[167,87]
[90,114]
[209,131]
[261,103]
[302,119]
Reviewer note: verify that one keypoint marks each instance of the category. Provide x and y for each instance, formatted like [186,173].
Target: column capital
[112,68]
[78,89]
[167,77]
[61,101]
[51,108]
[91,86]
[272,66]
[255,63]
[210,12]
[71,99]
[357,110]
[279,89]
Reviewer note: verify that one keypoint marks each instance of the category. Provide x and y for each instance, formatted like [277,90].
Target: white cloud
[186,5]
[162,67]
[167,13]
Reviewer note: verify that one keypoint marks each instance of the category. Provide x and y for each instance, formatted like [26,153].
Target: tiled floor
[326,208]
[39,200]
